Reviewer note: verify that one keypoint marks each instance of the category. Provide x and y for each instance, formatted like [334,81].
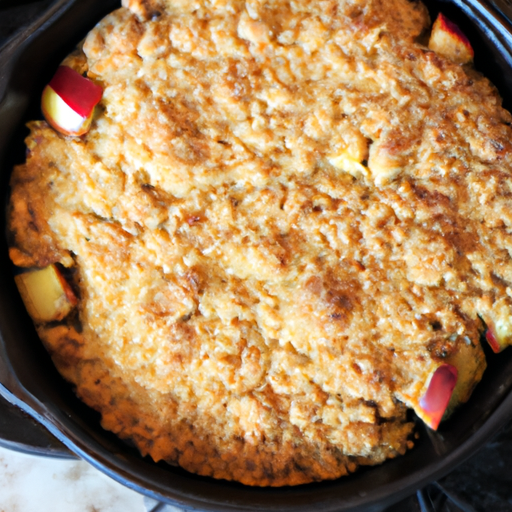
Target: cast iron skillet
[29,380]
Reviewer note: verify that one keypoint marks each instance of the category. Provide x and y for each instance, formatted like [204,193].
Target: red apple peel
[448,40]
[456,31]
[70,294]
[493,342]
[440,389]
[68,102]
[80,93]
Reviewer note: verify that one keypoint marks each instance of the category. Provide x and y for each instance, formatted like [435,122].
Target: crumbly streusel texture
[285,217]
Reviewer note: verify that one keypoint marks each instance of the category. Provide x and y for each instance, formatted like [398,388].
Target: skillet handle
[21,433]
[14,46]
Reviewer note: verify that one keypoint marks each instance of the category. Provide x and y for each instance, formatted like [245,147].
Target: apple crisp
[285,217]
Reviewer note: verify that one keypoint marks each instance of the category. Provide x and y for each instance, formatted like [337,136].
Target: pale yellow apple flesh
[449,41]
[61,117]
[46,294]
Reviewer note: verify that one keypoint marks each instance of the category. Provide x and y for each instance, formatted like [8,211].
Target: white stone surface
[38,484]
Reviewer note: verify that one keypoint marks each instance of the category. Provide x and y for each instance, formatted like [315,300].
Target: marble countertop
[31,483]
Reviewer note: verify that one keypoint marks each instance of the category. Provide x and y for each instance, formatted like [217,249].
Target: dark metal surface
[14,15]
[29,380]
[20,432]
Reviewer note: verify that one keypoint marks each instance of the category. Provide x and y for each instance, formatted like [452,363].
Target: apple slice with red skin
[446,382]
[447,39]
[493,341]
[46,294]
[68,101]
[435,401]
[497,339]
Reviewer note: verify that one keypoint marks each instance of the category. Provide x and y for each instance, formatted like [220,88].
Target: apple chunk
[493,341]
[498,323]
[439,385]
[448,40]
[68,101]
[434,402]
[498,334]
[46,293]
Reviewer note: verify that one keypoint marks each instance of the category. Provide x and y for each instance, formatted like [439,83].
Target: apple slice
[493,341]
[68,101]
[448,40]
[498,323]
[498,334]
[434,402]
[439,385]
[46,293]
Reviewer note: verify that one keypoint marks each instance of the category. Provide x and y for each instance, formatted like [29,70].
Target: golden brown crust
[283,220]
[274,461]
[32,241]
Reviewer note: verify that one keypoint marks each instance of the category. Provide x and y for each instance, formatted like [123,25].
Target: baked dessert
[285,227]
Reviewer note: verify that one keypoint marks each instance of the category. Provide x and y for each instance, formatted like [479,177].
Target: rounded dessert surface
[280,231]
